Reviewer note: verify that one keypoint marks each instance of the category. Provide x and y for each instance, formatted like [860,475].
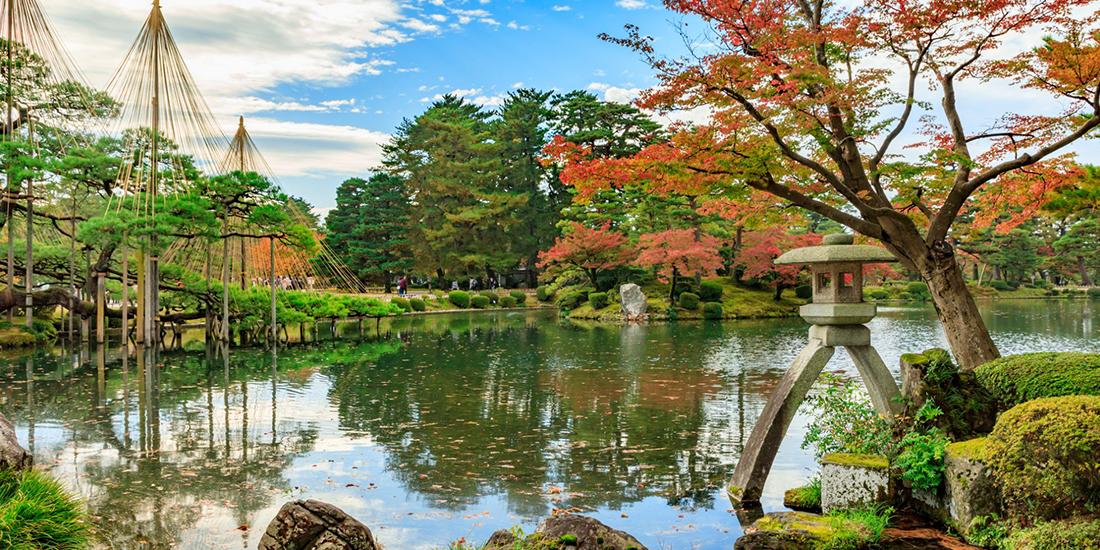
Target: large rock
[971,491]
[12,455]
[852,481]
[633,300]
[785,531]
[315,525]
[567,531]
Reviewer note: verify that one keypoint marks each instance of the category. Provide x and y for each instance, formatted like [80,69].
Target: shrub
[519,295]
[1043,455]
[1081,534]
[844,420]
[804,292]
[918,290]
[689,301]
[492,296]
[905,296]
[480,302]
[572,300]
[1041,283]
[36,513]
[711,291]
[1019,378]
[921,458]
[598,300]
[418,304]
[1001,286]
[685,284]
[880,294]
[1094,292]
[460,299]
[401,303]
[507,302]
[545,293]
[713,310]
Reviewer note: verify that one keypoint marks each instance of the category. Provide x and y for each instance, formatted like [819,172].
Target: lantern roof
[838,248]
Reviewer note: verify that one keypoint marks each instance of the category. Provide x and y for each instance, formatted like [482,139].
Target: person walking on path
[402,286]
[454,285]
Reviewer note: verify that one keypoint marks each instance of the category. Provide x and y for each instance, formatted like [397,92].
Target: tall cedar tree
[369,228]
[451,165]
[804,108]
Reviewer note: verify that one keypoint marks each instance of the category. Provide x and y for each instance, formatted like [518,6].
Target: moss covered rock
[1081,534]
[1020,378]
[1043,454]
[804,499]
[566,531]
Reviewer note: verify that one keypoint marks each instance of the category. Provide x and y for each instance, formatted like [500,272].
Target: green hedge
[480,302]
[804,292]
[572,300]
[492,296]
[1001,286]
[598,300]
[36,513]
[880,294]
[401,303]
[460,299]
[1093,292]
[507,302]
[418,304]
[519,295]
[545,293]
[713,310]
[689,301]
[1019,378]
[711,291]
[1043,455]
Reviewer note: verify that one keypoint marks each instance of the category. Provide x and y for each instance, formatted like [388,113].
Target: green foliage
[480,302]
[988,531]
[905,296]
[402,303]
[1043,454]
[418,304]
[844,420]
[545,293]
[1019,378]
[519,296]
[880,294]
[508,302]
[967,407]
[921,458]
[713,310]
[857,529]
[1093,292]
[804,498]
[689,301]
[36,513]
[711,291]
[598,300]
[1078,534]
[43,330]
[804,292]
[460,299]
[918,291]
[492,296]
[1001,286]
[572,300]
[368,229]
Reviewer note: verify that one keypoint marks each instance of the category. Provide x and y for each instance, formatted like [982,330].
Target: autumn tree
[809,100]
[763,247]
[679,252]
[592,251]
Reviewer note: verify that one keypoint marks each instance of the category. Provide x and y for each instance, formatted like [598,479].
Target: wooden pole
[274,319]
[86,322]
[225,279]
[125,296]
[139,259]
[28,279]
[244,264]
[100,308]
[11,135]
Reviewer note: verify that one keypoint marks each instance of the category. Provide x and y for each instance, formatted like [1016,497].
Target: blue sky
[323,82]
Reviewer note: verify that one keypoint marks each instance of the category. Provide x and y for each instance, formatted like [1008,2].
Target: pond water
[447,426]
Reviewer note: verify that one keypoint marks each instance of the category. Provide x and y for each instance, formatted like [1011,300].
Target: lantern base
[838,314]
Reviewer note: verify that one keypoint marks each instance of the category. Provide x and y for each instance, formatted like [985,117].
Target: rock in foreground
[567,531]
[12,455]
[315,525]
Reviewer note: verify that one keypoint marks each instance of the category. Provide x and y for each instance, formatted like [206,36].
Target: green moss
[864,461]
[16,338]
[973,449]
[850,530]
[1080,534]
[1043,455]
[804,498]
[1020,378]
[568,540]
[36,513]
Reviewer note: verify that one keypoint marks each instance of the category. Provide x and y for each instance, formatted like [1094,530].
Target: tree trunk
[779,292]
[592,279]
[388,281]
[672,291]
[958,313]
[1085,279]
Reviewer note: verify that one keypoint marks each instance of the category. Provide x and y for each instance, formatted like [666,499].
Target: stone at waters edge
[568,531]
[633,300]
[785,531]
[850,481]
[315,525]
[12,455]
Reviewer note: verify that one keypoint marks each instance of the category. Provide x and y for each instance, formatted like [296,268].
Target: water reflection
[430,428]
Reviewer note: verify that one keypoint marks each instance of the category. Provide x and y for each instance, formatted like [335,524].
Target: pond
[441,427]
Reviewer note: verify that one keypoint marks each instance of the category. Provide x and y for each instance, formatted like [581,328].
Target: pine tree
[368,229]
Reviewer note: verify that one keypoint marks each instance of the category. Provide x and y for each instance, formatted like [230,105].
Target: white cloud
[517,85]
[632,4]
[562,8]
[514,25]
[296,149]
[598,86]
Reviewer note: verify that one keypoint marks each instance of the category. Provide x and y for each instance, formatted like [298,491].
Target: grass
[738,302]
[37,513]
[804,498]
[857,529]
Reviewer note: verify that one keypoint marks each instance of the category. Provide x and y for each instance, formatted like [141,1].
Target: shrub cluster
[418,304]
[572,300]
[545,294]
[1043,455]
[689,301]
[507,302]
[1083,534]
[519,296]
[918,290]
[711,291]
[460,299]
[480,302]
[598,300]
[1001,286]
[1019,378]
[880,294]
[401,303]
[492,296]
[804,292]
[713,310]
[1093,292]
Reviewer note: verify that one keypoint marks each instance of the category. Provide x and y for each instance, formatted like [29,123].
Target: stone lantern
[838,315]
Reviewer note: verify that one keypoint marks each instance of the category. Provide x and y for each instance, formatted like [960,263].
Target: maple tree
[590,250]
[808,101]
[763,247]
[679,251]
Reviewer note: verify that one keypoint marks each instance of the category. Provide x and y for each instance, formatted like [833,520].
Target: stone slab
[852,481]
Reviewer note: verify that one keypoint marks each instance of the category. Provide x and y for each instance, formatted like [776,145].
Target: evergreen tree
[369,229]
[1082,244]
